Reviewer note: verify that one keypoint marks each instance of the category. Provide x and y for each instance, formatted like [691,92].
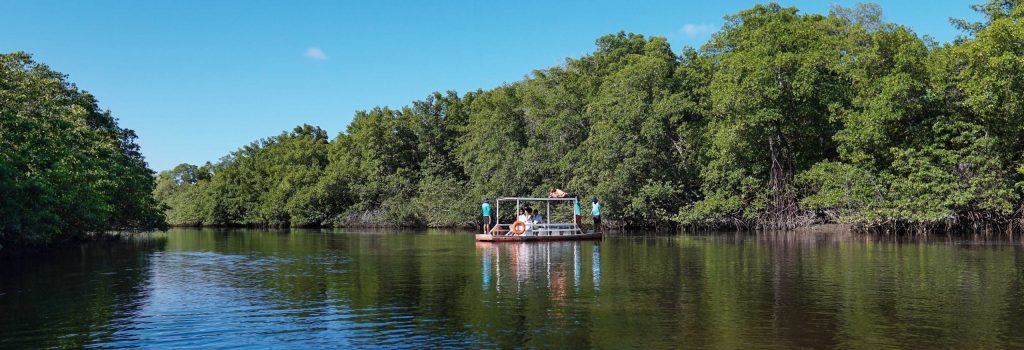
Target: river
[357,288]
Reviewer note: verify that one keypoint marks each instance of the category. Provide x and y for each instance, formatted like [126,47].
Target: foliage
[781,119]
[67,170]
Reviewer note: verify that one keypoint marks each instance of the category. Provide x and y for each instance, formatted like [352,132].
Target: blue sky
[198,79]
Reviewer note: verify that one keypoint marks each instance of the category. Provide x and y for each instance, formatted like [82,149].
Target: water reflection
[331,289]
[73,297]
[539,263]
[595,266]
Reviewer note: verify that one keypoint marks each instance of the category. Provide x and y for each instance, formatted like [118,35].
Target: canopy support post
[548,217]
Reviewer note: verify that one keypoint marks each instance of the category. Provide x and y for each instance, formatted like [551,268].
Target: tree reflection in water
[330,289]
[538,262]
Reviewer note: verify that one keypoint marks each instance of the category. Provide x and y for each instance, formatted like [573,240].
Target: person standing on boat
[595,210]
[485,208]
[578,214]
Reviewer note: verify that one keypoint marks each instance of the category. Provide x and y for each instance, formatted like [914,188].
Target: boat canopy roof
[566,199]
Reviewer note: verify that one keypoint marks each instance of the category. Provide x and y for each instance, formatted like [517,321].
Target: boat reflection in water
[558,266]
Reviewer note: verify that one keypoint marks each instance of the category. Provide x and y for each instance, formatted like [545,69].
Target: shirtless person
[557,193]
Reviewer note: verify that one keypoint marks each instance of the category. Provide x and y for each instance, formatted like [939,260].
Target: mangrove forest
[782,119]
[68,172]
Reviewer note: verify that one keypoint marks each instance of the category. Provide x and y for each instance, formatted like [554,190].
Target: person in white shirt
[522,216]
[529,221]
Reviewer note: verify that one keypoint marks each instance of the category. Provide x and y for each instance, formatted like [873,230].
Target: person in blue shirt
[595,210]
[485,208]
[578,214]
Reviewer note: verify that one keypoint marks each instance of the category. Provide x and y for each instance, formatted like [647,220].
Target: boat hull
[523,238]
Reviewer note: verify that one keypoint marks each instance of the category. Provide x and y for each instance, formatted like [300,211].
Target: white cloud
[695,30]
[316,53]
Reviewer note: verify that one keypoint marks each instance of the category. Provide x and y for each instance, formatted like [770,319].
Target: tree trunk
[782,206]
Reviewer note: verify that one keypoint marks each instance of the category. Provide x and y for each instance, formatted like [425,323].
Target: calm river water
[334,289]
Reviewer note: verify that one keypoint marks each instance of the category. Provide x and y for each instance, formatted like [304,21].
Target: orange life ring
[518,227]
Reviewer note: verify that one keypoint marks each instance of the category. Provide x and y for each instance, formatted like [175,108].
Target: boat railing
[546,228]
[540,229]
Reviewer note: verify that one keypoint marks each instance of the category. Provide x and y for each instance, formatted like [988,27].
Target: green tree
[774,88]
[782,119]
[927,141]
[632,158]
[68,170]
[271,182]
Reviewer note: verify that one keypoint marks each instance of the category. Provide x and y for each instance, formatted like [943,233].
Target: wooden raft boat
[519,231]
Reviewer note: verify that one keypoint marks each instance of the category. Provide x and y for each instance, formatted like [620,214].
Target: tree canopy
[782,119]
[67,170]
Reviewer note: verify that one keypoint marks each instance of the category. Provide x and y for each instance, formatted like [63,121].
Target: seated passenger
[529,221]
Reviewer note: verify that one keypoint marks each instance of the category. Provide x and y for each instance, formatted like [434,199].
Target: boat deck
[528,238]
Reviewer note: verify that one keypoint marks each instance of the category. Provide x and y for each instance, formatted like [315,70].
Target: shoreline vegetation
[68,172]
[781,120]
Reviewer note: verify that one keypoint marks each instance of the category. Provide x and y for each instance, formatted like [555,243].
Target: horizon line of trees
[782,119]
